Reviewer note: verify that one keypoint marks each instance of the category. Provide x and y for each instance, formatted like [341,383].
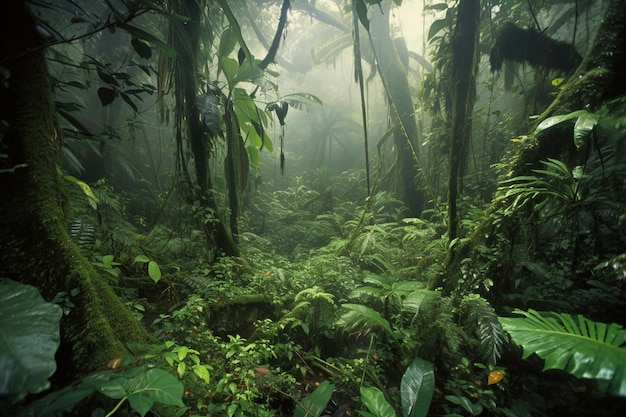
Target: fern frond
[362,318]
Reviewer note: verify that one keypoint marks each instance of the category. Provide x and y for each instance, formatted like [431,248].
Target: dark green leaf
[29,338]
[315,403]
[106,95]
[146,36]
[142,48]
[361,11]
[417,388]
[107,78]
[129,101]
[436,27]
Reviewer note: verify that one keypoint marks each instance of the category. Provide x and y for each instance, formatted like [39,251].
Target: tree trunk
[464,67]
[401,111]
[35,247]
[187,44]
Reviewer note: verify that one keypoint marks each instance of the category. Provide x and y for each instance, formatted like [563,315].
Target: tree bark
[35,247]
[464,67]
[187,44]
[401,111]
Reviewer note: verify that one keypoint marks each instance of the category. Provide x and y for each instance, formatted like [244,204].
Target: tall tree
[35,247]
[464,66]
[393,73]
[186,41]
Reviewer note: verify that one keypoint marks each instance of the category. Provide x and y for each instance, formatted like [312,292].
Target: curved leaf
[315,403]
[153,385]
[29,338]
[557,120]
[575,344]
[362,316]
[376,402]
[154,271]
[417,388]
[583,127]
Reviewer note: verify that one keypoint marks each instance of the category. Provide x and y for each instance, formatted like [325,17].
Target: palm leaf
[582,347]
[360,316]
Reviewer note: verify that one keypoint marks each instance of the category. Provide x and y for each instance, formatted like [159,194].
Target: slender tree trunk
[35,247]
[464,67]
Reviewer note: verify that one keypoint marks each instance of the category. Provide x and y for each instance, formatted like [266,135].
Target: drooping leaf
[583,127]
[582,347]
[106,95]
[436,27]
[376,403]
[557,120]
[363,316]
[29,338]
[315,403]
[235,29]
[228,40]
[142,48]
[417,388]
[107,78]
[149,37]
[154,272]
[361,11]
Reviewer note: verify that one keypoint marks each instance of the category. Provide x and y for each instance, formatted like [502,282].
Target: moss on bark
[36,247]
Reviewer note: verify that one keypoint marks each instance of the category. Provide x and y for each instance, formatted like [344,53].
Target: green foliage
[417,388]
[376,403]
[315,403]
[143,387]
[575,344]
[29,338]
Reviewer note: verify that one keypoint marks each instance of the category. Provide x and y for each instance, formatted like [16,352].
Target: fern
[82,233]
[485,324]
[358,317]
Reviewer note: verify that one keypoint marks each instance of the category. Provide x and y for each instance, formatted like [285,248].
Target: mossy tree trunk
[600,77]
[35,247]
[464,67]
[186,41]
[401,111]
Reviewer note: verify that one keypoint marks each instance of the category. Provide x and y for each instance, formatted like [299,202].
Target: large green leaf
[153,385]
[552,121]
[315,403]
[29,338]
[575,344]
[417,388]
[583,127]
[142,386]
[376,403]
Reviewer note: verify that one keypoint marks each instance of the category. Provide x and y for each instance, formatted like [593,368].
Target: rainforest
[311,208]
